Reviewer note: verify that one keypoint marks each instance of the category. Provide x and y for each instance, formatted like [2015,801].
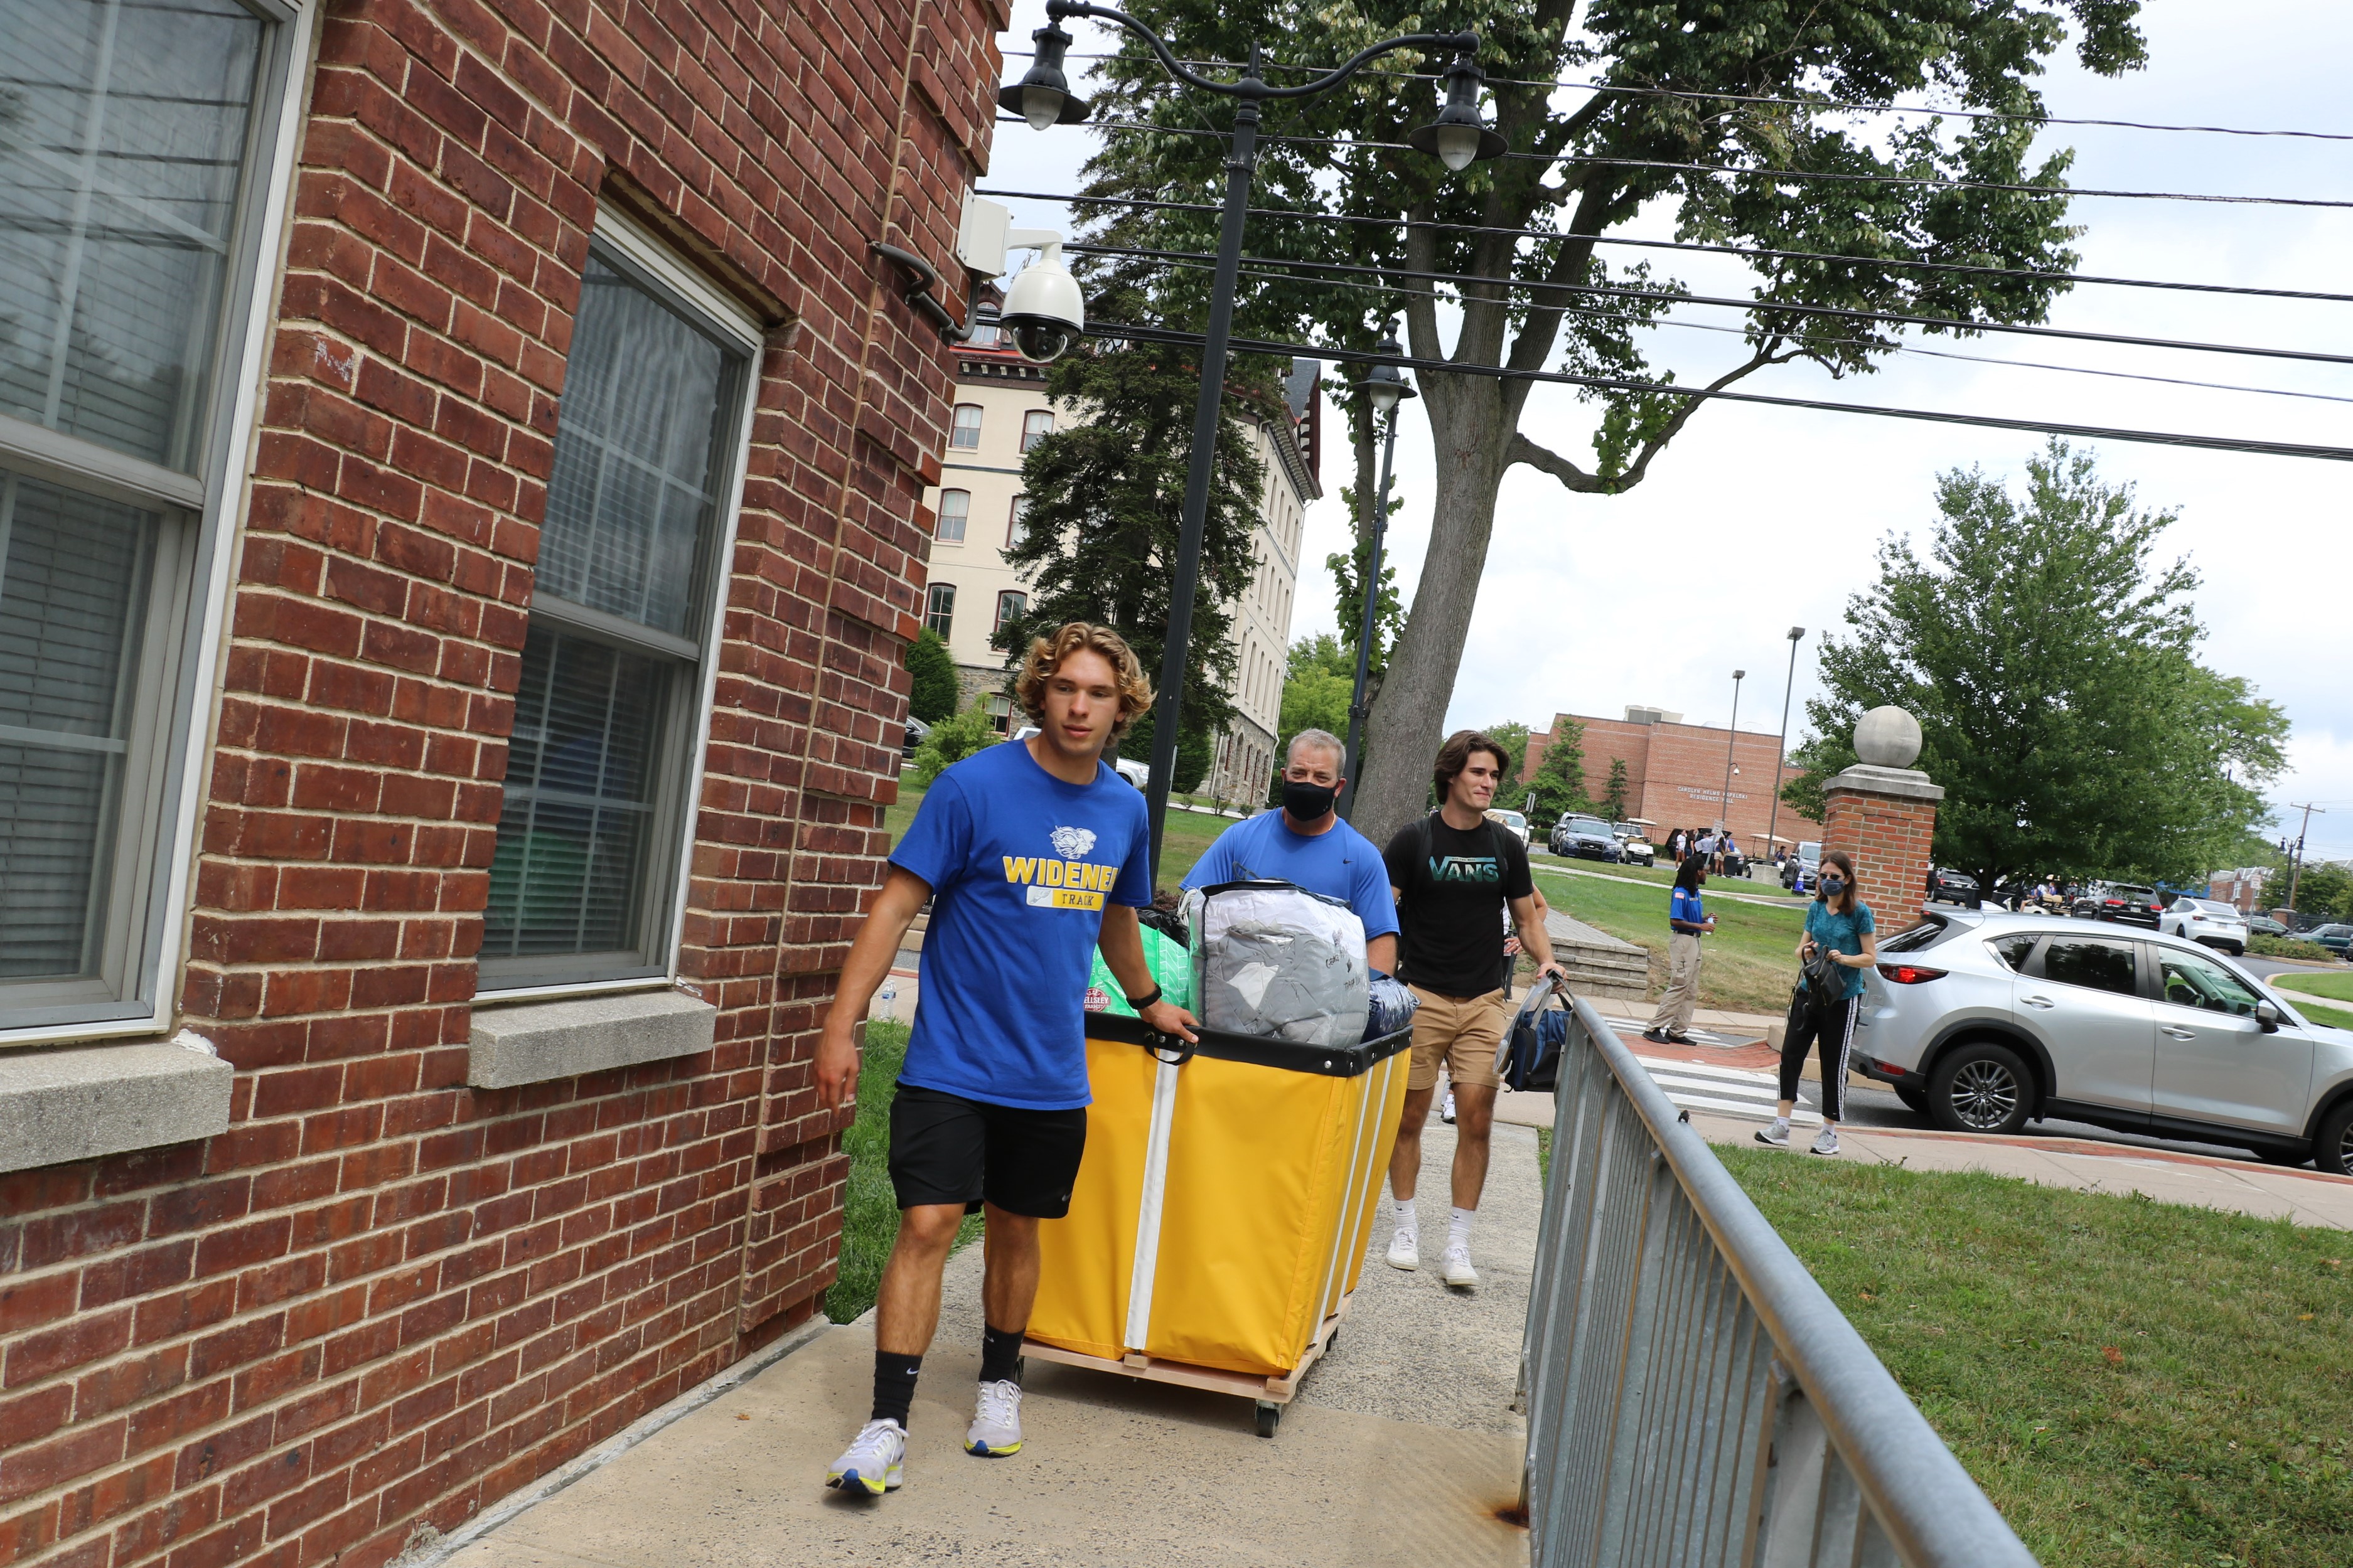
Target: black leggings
[1832,1025]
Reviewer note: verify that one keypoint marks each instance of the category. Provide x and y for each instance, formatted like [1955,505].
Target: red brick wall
[1889,838]
[384,1299]
[1675,775]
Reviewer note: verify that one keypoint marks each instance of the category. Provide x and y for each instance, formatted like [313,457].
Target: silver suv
[1982,1021]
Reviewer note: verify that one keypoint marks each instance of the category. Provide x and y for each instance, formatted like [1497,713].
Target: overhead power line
[1745,252]
[1608,384]
[1838,105]
[1831,176]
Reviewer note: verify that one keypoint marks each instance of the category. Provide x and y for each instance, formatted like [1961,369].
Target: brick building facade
[1674,772]
[460,511]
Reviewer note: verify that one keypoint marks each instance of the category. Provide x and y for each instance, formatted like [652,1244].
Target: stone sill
[1894,784]
[534,1042]
[79,1102]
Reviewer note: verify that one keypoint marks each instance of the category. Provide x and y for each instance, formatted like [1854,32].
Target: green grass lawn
[870,1211]
[1748,965]
[2135,1385]
[2336,986]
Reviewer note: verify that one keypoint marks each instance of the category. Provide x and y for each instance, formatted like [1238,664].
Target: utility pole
[1724,823]
[2295,861]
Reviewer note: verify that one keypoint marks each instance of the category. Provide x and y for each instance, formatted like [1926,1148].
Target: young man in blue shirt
[1306,843]
[1030,852]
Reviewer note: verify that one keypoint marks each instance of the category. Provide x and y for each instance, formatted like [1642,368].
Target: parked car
[1587,839]
[916,730]
[1952,887]
[1799,872]
[1513,820]
[2127,901]
[1634,844]
[2210,920]
[2336,938]
[1984,1022]
[2263,925]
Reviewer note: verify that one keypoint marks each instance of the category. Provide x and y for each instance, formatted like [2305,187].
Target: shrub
[2289,947]
[932,674]
[952,741]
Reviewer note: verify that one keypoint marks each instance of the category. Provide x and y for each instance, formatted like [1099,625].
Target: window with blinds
[955,511]
[584,875]
[130,134]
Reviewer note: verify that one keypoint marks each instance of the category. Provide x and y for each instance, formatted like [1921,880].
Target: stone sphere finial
[1887,738]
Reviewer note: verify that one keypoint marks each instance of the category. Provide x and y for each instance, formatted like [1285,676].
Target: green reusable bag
[1172,971]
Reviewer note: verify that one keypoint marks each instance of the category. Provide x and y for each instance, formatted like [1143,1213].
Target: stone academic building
[461,470]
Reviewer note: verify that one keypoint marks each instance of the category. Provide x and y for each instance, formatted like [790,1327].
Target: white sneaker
[1776,1135]
[1826,1141]
[1405,1251]
[995,1429]
[1458,1272]
[873,1462]
[1446,1112]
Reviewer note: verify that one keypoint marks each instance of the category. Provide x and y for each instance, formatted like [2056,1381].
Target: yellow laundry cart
[1222,1214]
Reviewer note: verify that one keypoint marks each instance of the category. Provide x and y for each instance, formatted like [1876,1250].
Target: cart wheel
[1331,1339]
[1270,1417]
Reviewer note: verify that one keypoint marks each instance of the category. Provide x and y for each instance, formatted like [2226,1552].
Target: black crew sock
[1000,1354]
[894,1386]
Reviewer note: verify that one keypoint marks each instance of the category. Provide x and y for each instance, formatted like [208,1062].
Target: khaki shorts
[1464,1035]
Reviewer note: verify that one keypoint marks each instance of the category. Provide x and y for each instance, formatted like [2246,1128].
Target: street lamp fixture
[1385,387]
[1042,97]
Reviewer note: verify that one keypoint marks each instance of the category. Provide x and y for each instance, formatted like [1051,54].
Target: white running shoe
[1826,1141]
[1405,1250]
[873,1462]
[1778,1135]
[1458,1272]
[995,1429]
[1446,1112]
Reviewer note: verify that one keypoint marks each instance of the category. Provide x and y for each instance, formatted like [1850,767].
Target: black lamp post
[1385,387]
[1042,97]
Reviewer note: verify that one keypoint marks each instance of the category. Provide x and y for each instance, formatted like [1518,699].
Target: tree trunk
[1471,425]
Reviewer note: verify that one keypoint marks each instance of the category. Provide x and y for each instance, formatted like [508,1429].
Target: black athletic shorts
[945,1149]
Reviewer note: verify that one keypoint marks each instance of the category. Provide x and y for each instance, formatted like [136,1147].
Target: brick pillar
[1886,819]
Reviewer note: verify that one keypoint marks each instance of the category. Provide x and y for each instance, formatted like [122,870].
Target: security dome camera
[1044,309]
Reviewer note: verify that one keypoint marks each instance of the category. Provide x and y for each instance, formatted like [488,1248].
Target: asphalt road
[1880,1108]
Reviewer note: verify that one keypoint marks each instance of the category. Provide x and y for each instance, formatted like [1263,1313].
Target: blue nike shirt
[1020,865]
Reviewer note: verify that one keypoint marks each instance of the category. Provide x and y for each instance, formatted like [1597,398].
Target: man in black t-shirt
[1454,872]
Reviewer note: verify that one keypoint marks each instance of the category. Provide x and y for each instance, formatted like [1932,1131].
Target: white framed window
[965,433]
[144,154]
[1036,426]
[955,511]
[587,877]
[1017,522]
[939,608]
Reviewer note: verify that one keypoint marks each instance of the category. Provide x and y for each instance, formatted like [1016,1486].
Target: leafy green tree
[932,671]
[1347,567]
[1752,82]
[1559,782]
[1614,794]
[1106,495]
[2050,659]
[1320,679]
[2323,889]
[1197,747]
[952,740]
[1513,737]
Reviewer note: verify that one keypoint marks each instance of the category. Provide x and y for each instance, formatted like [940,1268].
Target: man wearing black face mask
[1307,844]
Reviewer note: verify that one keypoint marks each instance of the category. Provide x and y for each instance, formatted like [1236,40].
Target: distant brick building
[460,478]
[1674,772]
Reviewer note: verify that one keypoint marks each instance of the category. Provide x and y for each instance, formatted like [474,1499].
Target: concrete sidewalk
[1399,1448]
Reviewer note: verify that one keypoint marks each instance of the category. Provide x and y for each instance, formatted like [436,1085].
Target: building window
[955,510]
[986,332]
[1036,426]
[131,138]
[1017,522]
[1011,605]
[1000,712]
[649,440]
[939,608]
[965,433]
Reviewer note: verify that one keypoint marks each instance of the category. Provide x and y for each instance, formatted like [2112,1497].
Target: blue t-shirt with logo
[1339,863]
[1835,933]
[1020,865]
[1684,904]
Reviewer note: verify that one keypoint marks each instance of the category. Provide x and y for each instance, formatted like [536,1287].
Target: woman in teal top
[1823,1010]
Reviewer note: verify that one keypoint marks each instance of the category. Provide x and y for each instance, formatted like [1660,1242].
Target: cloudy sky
[1757,519]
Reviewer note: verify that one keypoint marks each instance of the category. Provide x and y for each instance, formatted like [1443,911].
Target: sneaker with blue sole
[995,1429]
[875,1461]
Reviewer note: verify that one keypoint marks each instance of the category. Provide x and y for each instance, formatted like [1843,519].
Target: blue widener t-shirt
[1020,865]
[1339,863]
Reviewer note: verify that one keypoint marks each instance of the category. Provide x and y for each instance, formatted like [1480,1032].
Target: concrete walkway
[1400,1447]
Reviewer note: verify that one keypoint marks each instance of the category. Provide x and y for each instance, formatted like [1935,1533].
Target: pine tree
[1559,782]
[1614,794]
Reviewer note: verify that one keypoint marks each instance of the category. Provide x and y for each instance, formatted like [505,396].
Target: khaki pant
[1462,1033]
[1674,1014]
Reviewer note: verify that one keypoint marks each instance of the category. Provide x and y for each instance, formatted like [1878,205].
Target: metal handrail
[1656,1431]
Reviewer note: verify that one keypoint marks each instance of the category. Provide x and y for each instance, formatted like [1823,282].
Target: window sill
[81,1102]
[534,1042]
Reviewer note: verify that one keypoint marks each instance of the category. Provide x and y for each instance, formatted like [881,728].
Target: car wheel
[2333,1150]
[1980,1086]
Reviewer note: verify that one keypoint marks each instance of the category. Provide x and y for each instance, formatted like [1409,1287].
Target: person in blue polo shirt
[1307,844]
[1690,922]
